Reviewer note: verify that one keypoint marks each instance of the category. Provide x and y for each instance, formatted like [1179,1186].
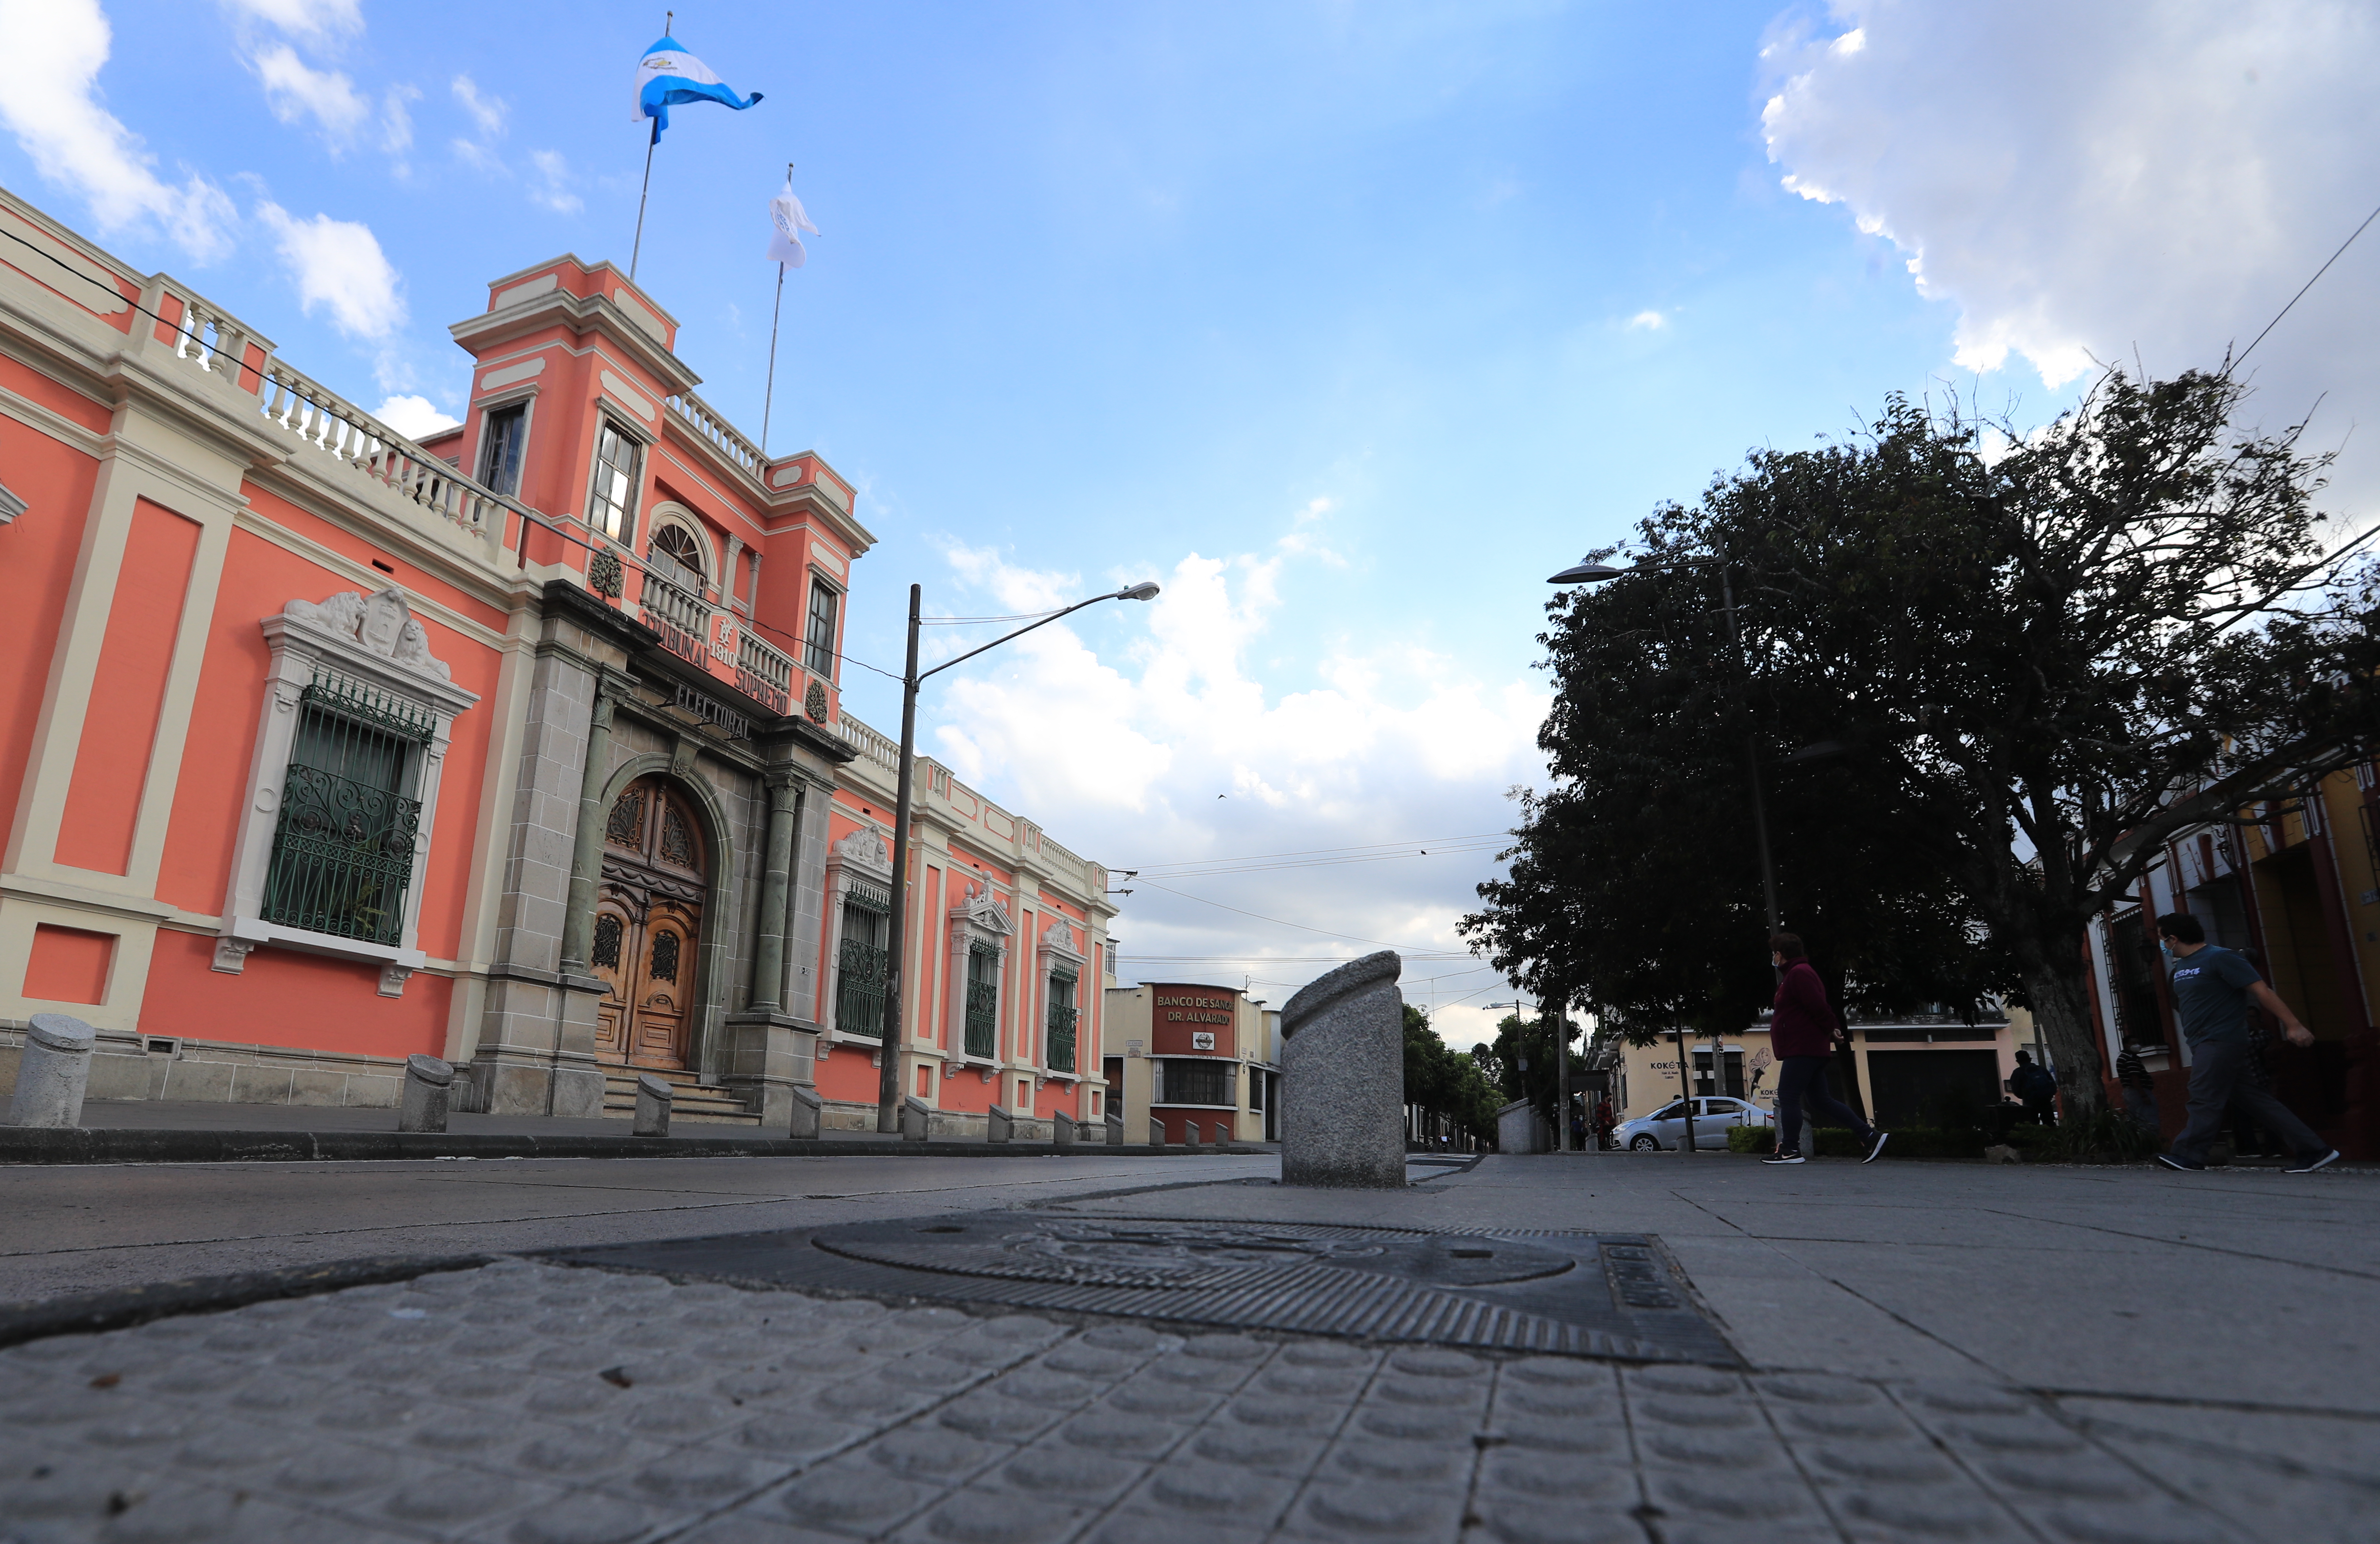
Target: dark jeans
[1802,1081]
[2220,1080]
[2141,1104]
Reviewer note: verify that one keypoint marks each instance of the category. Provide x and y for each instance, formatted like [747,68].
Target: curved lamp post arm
[890,1085]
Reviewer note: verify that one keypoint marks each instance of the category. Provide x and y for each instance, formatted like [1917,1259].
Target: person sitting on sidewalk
[1802,1035]
[2212,989]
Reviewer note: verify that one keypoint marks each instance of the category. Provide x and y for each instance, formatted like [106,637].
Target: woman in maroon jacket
[1801,1034]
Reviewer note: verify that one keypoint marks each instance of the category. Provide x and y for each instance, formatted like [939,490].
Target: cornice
[581,314]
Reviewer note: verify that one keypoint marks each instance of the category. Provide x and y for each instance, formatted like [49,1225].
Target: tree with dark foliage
[1989,674]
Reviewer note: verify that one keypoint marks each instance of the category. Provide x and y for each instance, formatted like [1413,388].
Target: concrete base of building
[133,1066]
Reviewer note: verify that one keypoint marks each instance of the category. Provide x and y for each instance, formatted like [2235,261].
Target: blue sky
[1347,322]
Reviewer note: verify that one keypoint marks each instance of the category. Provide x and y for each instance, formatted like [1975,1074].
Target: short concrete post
[1156,1132]
[1342,1115]
[1223,1134]
[1115,1131]
[422,1106]
[1190,1134]
[53,1073]
[808,1112]
[1062,1132]
[653,1097]
[917,1115]
[999,1125]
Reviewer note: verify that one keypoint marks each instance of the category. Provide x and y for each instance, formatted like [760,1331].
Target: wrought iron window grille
[982,1005]
[343,843]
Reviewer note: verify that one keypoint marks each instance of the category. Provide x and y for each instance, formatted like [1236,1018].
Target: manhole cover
[1181,1255]
[1607,1295]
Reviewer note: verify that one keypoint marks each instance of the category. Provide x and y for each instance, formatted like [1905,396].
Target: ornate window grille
[1061,1023]
[982,1003]
[343,850]
[863,963]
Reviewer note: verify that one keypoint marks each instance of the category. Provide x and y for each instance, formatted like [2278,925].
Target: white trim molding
[10,507]
[864,858]
[375,642]
[1060,952]
[977,919]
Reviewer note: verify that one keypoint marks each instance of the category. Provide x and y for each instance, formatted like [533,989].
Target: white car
[1665,1128]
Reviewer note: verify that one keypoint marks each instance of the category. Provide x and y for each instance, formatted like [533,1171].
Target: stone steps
[691,1101]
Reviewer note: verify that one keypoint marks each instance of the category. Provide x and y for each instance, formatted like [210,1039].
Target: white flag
[786,214]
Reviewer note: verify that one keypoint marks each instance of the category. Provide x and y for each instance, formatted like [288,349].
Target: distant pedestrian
[2037,1086]
[1607,1121]
[2140,1088]
[1801,1034]
[2212,989]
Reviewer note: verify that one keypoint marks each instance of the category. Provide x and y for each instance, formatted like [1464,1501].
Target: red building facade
[523,745]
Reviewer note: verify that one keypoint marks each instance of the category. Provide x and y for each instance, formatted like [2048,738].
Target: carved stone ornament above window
[814,703]
[379,623]
[865,848]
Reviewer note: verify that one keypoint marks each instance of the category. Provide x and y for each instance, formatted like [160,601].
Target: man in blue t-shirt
[2212,989]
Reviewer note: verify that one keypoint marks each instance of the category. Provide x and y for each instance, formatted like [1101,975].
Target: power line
[1327,852]
[1278,922]
[2309,284]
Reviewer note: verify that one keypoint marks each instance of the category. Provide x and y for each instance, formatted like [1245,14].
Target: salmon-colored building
[522,746]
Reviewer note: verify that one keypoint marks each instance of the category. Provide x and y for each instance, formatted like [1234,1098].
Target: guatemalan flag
[669,76]
[787,216]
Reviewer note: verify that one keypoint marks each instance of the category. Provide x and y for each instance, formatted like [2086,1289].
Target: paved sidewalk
[1936,1352]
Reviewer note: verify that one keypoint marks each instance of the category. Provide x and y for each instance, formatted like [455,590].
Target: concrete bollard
[53,1073]
[809,1115]
[1062,1132]
[999,1125]
[1223,1134]
[1190,1134]
[916,1117]
[653,1097]
[422,1105]
[1342,1115]
[1156,1132]
[1115,1131]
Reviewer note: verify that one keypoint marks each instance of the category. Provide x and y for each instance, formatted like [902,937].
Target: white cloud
[2094,179]
[50,101]
[1648,322]
[416,417]
[554,192]
[339,268]
[1123,751]
[294,89]
[488,112]
[396,118]
[308,18]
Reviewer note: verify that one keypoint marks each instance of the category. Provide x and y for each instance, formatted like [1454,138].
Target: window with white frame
[503,433]
[343,789]
[818,643]
[611,500]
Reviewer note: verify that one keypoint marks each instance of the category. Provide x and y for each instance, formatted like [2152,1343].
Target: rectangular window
[817,647]
[501,439]
[1255,1089]
[861,962]
[982,1003]
[343,846]
[1061,1023]
[1197,1082]
[612,502]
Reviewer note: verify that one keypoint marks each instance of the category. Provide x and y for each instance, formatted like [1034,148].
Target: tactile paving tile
[1586,1293]
[614,1408]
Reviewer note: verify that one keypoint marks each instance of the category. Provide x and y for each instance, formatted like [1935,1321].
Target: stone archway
[649,917]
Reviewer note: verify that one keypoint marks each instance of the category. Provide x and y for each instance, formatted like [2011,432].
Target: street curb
[132,1145]
[120,1309]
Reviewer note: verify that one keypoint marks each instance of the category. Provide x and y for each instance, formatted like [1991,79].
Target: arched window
[676,556]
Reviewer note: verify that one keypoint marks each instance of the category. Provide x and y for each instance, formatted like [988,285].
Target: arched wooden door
[649,926]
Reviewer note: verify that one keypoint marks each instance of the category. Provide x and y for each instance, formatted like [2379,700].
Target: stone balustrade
[295,404]
[683,619]
[698,416]
[765,672]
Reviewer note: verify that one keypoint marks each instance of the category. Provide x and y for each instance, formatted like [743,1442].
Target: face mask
[2163,948]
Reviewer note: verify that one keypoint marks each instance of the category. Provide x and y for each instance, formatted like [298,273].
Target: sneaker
[2185,1165]
[2324,1162]
[1782,1158]
[1877,1149]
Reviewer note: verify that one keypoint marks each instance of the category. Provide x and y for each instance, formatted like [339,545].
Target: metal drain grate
[1596,1295]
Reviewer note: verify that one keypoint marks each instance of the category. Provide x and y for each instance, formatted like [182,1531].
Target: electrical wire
[2309,284]
[1445,851]
[1279,922]
[1323,852]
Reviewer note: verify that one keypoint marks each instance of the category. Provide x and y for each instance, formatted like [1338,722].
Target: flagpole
[769,398]
[636,248]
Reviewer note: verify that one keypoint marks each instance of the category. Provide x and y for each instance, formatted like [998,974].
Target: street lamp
[897,1039]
